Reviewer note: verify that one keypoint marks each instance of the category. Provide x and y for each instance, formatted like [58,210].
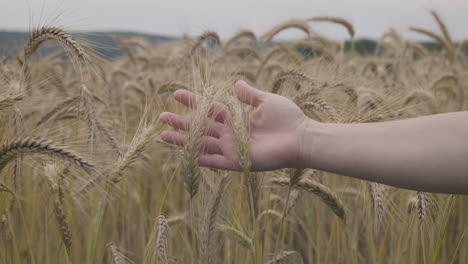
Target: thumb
[249,95]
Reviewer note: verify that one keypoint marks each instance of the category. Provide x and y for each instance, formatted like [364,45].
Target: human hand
[276,129]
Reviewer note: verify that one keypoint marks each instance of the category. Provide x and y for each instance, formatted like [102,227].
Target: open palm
[276,128]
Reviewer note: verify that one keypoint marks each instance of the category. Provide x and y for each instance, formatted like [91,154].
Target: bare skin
[426,153]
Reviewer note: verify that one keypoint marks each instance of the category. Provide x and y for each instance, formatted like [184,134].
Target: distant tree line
[104,44]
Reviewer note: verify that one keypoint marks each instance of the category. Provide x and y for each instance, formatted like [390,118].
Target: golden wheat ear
[157,247]
[294,23]
[341,21]
[38,36]
[322,191]
[241,34]
[11,149]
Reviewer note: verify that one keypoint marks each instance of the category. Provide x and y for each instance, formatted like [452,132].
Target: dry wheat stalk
[208,224]
[458,90]
[88,113]
[417,48]
[55,178]
[293,199]
[193,146]
[126,48]
[322,191]
[38,36]
[9,99]
[114,254]
[157,246]
[299,24]
[107,134]
[377,195]
[443,42]
[269,212]
[283,255]
[12,148]
[241,34]
[236,235]
[321,106]
[442,26]
[18,124]
[161,239]
[203,37]
[289,75]
[57,108]
[137,146]
[349,27]
[423,207]
[294,55]
[64,228]
[422,96]
[115,175]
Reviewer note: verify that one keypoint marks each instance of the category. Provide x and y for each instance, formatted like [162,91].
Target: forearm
[426,153]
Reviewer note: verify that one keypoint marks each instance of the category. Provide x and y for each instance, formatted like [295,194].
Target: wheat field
[86,179]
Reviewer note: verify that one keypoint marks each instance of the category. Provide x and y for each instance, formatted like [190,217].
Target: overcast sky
[174,17]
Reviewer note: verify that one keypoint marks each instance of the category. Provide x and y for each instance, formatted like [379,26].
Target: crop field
[85,177]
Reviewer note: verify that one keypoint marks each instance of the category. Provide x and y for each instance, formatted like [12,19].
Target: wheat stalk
[38,36]
[443,42]
[65,231]
[283,255]
[241,34]
[299,24]
[88,113]
[161,239]
[377,195]
[157,246]
[9,99]
[236,235]
[11,149]
[57,108]
[349,27]
[321,106]
[114,254]
[203,37]
[422,206]
[322,191]
[442,26]
[289,75]
[208,224]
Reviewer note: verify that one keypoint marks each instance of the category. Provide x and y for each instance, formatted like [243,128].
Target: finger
[174,137]
[185,97]
[183,123]
[174,120]
[209,145]
[249,95]
[217,111]
[217,161]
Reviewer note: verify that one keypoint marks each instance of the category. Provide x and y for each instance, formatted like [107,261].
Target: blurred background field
[84,177]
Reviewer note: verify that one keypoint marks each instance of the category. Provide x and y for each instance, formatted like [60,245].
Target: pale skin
[426,153]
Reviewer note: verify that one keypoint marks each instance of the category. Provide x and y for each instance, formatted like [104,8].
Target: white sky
[175,17]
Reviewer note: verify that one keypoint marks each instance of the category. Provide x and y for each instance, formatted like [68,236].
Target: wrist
[311,139]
